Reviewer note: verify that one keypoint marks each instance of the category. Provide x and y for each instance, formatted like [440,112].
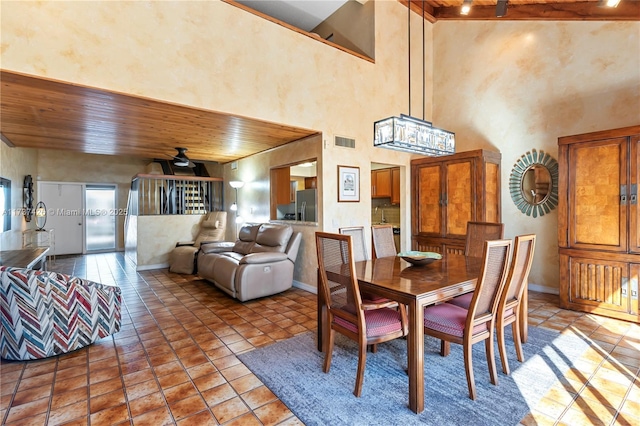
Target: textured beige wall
[154,243]
[520,85]
[15,164]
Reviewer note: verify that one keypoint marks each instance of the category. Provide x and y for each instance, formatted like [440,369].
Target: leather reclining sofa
[260,263]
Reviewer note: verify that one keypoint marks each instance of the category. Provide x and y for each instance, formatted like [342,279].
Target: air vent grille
[345,142]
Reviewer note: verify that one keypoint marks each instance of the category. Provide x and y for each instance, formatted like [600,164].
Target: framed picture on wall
[348,184]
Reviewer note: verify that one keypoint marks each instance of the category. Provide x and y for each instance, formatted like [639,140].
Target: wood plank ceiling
[530,10]
[40,113]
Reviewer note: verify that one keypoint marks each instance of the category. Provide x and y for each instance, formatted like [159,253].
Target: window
[5,202]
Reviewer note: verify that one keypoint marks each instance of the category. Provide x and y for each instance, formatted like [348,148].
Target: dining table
[416,287]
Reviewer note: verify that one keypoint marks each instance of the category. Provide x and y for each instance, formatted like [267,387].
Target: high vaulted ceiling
[39,113]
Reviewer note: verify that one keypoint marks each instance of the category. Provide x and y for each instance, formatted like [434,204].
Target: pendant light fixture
[411,134]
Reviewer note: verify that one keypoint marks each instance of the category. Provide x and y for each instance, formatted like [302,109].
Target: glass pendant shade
[406,133]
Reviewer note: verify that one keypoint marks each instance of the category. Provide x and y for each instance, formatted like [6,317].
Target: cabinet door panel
[599,284]
[492,193]
[634,210]
[634,283]
[395,185]
[598,171]
[381,182]
[429,187]
[460,202]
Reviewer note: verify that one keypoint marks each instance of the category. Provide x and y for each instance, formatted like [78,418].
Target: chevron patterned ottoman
[45,314]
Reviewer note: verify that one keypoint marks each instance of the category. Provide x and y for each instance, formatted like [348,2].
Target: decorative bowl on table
[419,258]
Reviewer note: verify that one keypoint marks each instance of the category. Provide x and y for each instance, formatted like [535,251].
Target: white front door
[64,214]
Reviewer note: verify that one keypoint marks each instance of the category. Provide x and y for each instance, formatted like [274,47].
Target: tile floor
[174,360]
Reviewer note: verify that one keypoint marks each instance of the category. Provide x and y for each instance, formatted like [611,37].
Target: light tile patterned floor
[174,361]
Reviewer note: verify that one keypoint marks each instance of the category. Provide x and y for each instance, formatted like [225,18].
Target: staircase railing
[171,194]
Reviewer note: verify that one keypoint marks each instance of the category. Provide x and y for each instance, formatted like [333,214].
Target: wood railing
[172,194]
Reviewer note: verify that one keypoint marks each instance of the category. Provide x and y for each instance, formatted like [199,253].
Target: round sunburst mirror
[533,183]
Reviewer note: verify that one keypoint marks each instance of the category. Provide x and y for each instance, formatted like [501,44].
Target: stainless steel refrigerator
[306,205]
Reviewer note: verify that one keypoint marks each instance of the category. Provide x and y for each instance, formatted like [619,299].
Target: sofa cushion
[272,237]
[246,239]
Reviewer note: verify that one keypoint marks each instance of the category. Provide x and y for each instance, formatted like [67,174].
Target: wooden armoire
[598,220]
[448,192]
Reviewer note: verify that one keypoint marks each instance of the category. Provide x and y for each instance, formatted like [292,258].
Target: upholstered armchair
[44,314]
[182,258]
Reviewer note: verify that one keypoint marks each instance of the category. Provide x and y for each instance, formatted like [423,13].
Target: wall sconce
[41,215]
[27,198]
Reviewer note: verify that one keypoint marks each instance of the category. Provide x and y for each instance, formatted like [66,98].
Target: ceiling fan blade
[181,160]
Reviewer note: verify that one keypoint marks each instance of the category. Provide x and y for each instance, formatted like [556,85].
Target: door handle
[623,195]
[633,196]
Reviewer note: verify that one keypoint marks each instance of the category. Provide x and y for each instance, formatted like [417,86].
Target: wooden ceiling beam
[577,11]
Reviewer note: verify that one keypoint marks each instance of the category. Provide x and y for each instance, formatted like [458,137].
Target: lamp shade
[236,184]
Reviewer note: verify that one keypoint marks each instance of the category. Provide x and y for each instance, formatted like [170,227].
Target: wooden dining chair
[478,233]
[509,302]
[383,243]
[509,305]
[365,323]
[357,238]
[451,323]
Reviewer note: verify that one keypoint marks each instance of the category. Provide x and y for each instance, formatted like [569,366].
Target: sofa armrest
[216,246]
[264,257]
[185,243]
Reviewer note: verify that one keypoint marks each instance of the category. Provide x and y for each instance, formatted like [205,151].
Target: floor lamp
[236,184]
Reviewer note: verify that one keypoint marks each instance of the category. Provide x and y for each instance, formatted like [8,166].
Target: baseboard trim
[305,287]
[543,289]
[148,267]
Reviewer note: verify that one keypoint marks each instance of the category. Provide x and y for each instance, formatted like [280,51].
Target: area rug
[292,369]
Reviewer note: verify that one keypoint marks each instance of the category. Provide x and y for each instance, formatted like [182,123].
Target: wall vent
[345,142]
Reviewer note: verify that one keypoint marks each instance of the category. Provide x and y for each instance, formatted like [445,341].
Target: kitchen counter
[293,222]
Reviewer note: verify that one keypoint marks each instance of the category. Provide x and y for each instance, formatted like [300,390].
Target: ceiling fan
[181,160]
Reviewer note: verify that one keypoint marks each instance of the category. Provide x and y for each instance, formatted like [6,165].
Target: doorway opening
[101,209]
[386,208]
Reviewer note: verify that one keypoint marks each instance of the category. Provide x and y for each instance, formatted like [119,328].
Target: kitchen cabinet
[395,185]
[280,189]
[598,219]
[448,192]
[310,182]
[282,178]
[381,183]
